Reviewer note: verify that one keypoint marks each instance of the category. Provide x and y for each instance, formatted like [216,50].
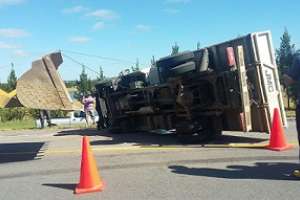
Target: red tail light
[230,56]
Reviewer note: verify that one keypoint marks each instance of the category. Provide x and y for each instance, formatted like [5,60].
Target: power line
[79,63]
[4,66]
[100,57]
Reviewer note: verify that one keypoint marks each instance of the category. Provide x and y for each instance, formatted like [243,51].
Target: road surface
[45,164]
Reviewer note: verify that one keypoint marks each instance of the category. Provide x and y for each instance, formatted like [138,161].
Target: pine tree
[285,52]
[198,45]
[136,67]
[12,79]
[284,59]
[153,61]
[101,76]
[175,49]
[83,85]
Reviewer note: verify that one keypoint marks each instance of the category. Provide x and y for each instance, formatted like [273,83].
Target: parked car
[74,118]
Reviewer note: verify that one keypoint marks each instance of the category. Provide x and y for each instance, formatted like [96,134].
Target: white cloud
[177,1]
[75,9]
[99,25]
[143,28]
[103,14]
[79,39]
[13,32]
[20,53]
[10,2]
[4,45]
[172,11]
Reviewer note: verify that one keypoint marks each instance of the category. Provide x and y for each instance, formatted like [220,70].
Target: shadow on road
[261,170]
[140,138]
[16,152]
[88,132]
[149,138]
[226,139]
[66,186]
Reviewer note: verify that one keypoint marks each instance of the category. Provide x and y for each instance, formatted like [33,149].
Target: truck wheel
[188,133]
[194,138]
[120,126]
[184,68]
[216,126]
[175,60]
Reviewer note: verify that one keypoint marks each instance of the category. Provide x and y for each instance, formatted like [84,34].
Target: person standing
[89,102]
[290,78]
[45,114]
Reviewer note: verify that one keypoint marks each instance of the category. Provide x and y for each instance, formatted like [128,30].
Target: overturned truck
[230,86]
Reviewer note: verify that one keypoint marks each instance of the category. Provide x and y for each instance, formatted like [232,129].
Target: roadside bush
[9,114]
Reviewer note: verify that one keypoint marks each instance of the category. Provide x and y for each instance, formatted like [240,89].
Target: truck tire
[175,60]
[211,131]
[187,133]
[120,126]
[183,68]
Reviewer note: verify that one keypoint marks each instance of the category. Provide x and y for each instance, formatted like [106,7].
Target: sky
[118,32]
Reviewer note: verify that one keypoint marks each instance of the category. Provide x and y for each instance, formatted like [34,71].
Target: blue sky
[130,29]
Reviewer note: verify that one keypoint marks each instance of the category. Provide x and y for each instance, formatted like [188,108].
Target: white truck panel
[265,57]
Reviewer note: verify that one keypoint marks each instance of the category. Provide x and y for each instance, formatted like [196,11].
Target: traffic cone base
[286,147]
[278,140]
[97,188]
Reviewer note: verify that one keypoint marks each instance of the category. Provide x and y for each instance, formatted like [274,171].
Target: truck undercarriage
[229,86]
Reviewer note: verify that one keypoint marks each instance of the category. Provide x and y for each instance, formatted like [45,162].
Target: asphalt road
[45,164]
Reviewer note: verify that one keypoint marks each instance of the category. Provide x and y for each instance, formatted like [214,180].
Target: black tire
[119,126]
[211,130]
[187,133]
[183,68]
[194,138]
[202,60]
[165,64]
[175,60]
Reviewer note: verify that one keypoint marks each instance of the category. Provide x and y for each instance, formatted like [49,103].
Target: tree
[284,55]
[284,59]
[137,64]
[175,49]
[12,79]
[136,67]
[101,76]
[84,85]
[198,45]
[71,83]
[153,61]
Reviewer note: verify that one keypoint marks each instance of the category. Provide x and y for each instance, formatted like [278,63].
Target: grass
[30,124]
[290,113]
[18,124]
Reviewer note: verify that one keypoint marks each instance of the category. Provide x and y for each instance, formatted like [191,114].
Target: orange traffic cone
[277,139]
[90,180]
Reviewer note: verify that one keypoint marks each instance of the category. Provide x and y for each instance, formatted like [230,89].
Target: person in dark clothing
[45,114]
[290,78]
[100,122]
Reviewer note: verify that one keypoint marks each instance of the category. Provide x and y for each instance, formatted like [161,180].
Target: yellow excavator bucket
[41,87]
[8,100]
